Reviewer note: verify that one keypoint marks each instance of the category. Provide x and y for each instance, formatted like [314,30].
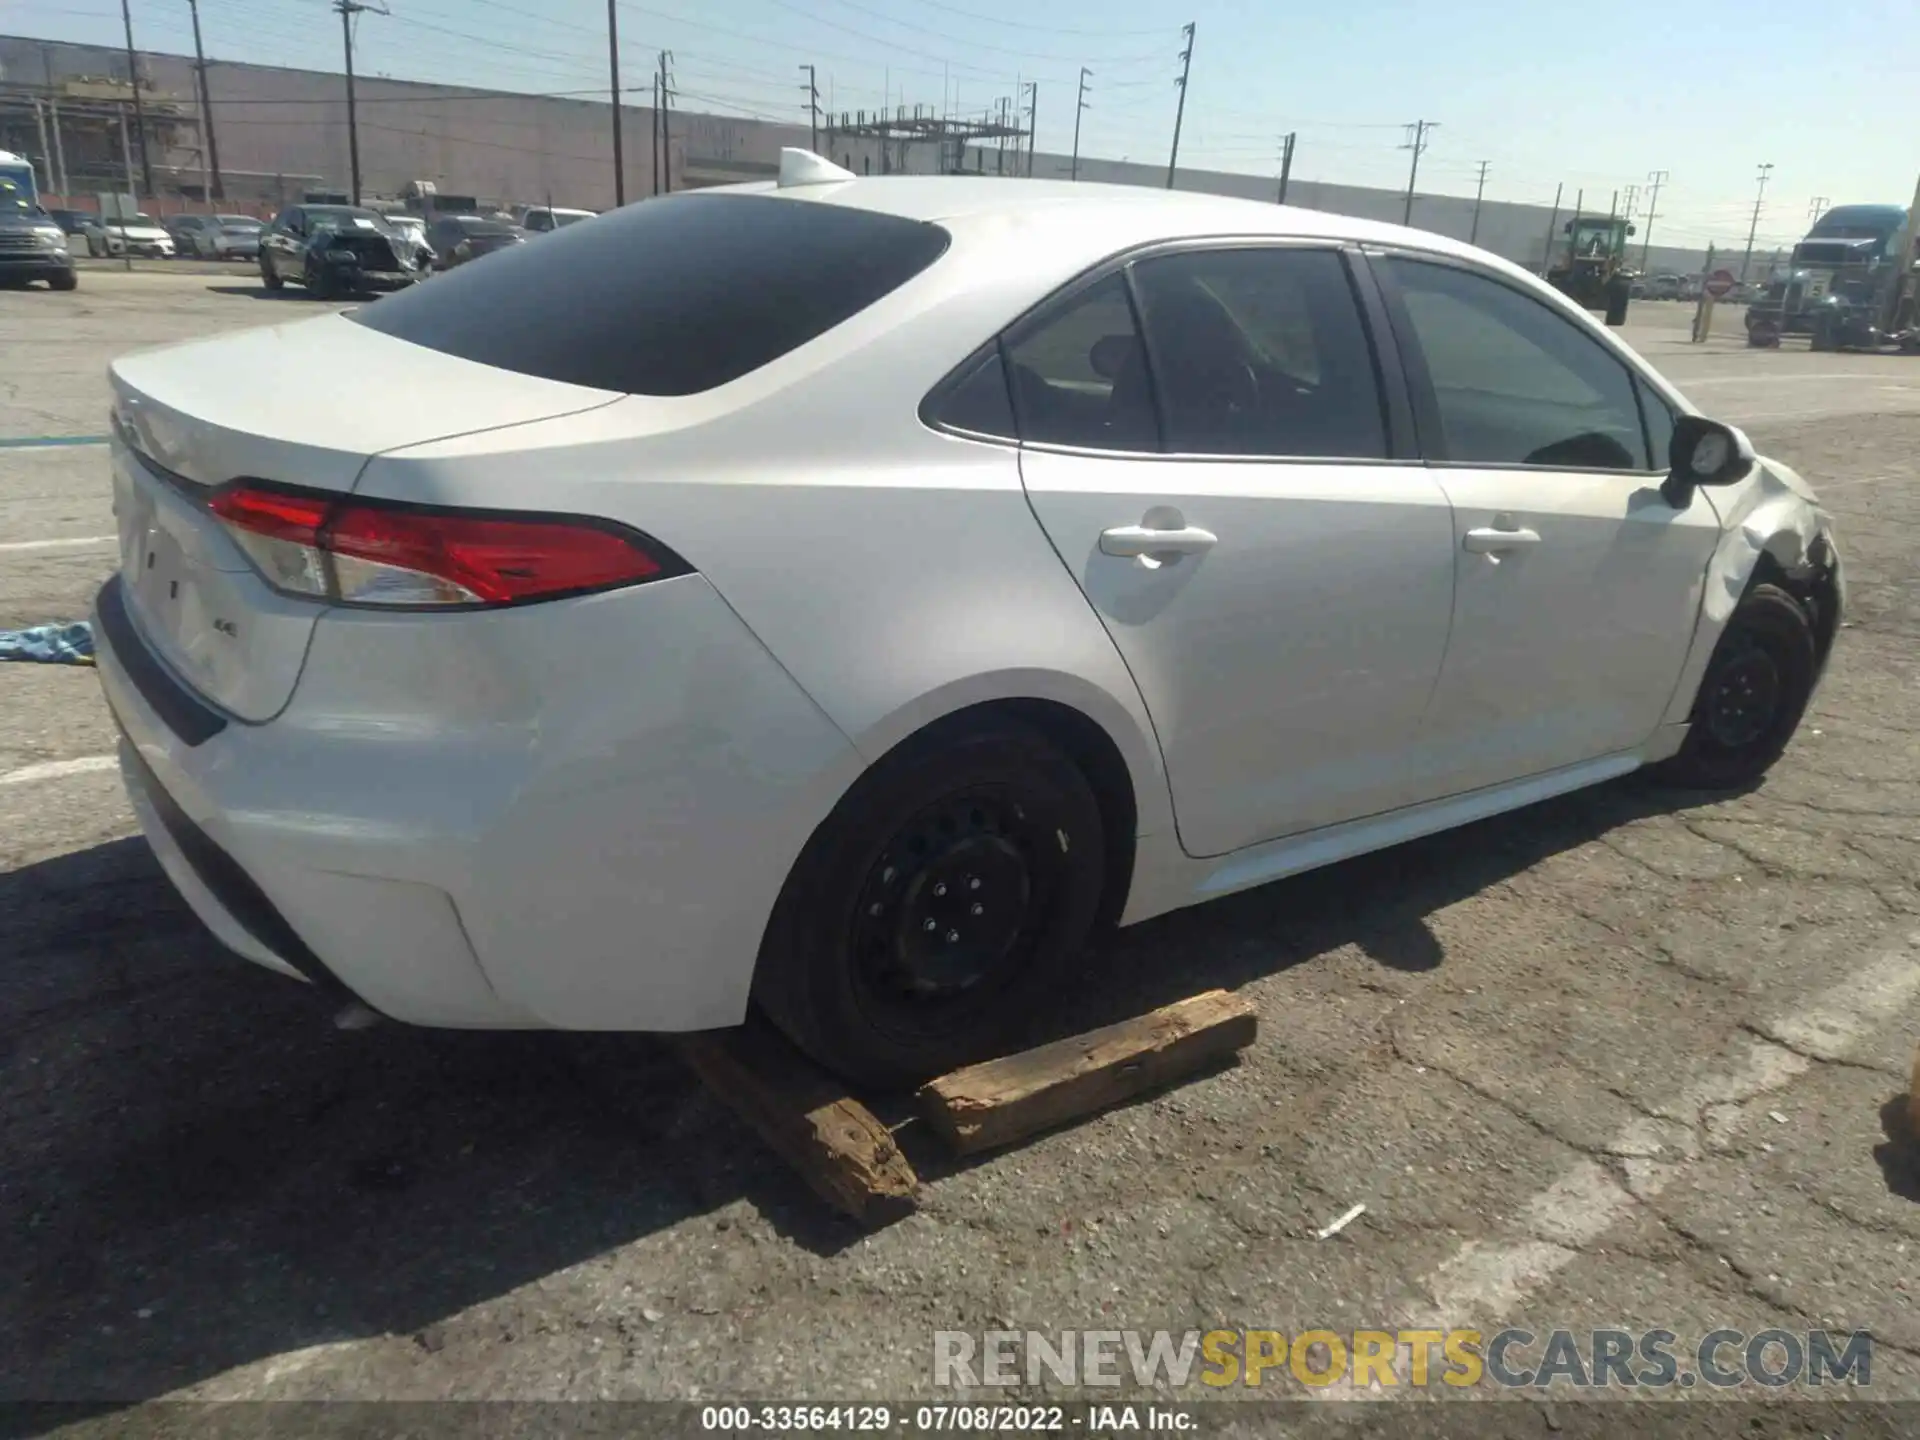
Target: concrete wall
[277,128]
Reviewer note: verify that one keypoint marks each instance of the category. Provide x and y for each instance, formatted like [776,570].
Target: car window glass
[1659,419]
[1079,377]
[980,403]
[674,295]
[1260,352]
[1516,384]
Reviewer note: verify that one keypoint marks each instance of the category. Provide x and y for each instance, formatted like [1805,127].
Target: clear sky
[1592,96]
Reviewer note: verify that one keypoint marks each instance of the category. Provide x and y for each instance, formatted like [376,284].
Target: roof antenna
[803,167]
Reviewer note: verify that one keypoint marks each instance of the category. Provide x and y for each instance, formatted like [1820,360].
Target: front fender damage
[1775,531]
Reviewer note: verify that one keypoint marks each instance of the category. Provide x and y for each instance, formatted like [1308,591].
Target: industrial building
[280,132]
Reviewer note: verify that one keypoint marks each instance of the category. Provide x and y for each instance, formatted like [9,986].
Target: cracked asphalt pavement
[1624,1059]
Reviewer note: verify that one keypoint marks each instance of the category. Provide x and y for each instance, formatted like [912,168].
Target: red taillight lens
[369,553]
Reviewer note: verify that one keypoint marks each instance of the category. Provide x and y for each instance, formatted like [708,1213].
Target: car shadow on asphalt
[1898,1156]
[257,292]
[203,1171]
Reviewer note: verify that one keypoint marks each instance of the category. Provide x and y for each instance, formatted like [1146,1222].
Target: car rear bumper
[581,820]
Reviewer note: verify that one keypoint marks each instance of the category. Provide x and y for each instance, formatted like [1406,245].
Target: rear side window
[1079,376]
[1261,352]
[670,296]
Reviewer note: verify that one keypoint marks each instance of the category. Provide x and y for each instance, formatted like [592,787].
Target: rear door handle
[1130,541]
[1492,542]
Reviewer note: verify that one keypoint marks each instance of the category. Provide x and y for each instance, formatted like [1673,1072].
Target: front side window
[1260,352]
[1514,383]
[1079,375]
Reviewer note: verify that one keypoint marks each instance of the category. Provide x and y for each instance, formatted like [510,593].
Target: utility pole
[1033,109]
[1656,178]
[1473,238]
[1286,165]
[656,132]
[813,109]
[613,86]
[133,81]
[1816,208]
[666,134]
[348,9]
[1546,255]
[126,165]
[1180,111]
[1766,172]
[1417,143]
[218,191]
[1633,192]
[1079,110]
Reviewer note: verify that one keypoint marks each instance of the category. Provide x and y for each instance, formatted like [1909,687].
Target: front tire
[1752,697]
[270,277]
[936,909]
[63,280]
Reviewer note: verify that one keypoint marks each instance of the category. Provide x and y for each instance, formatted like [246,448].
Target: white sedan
[844,595]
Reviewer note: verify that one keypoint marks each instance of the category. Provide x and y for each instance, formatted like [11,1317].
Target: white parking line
[1484,1281]
[59,769]
[75,543]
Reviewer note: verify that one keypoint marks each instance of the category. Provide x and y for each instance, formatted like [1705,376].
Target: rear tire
[269,277]
[936,909]
[1752,697]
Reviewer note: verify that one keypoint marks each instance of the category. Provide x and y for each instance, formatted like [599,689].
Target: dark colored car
[32,246]
[333,251]
[457,239]
[71,222]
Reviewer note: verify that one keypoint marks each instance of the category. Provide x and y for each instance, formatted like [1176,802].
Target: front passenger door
[1578,585]
[281,241]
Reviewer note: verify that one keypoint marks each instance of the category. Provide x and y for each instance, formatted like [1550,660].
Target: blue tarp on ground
[50,644]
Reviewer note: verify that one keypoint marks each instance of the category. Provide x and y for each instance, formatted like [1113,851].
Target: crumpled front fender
[1776,515]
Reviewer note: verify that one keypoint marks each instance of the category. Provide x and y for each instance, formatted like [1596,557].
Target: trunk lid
[301,404]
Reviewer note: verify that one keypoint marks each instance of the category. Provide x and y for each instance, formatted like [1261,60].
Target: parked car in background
[512,661]
[127,235]
[73,223]
[334,251]
[540,219]
[185,230]
[457,239]
[413,230]
[32,246]
[234,237]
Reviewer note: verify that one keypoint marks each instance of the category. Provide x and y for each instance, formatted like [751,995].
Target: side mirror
[1704,452]
[1633,230]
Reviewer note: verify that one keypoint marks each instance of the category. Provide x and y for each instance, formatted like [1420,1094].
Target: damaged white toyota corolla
[843,595]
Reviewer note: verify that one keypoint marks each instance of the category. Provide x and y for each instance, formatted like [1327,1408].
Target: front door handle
[1133,541]
[1492,542]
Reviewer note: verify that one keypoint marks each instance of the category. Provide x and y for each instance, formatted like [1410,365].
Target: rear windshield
[669,296]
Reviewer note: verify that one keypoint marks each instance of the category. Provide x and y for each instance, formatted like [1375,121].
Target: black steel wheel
[932,913]
[1752,696]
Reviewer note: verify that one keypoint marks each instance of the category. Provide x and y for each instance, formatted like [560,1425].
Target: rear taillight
[363,552]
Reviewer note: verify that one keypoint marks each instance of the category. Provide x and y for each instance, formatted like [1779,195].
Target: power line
[613,81]
[1416,142]
[1766,173]
[1655,179]
[1078,110]
[347,10]
[1180,111]
[1028,25]
[956,40]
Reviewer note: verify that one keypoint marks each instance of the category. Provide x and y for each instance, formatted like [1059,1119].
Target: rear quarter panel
[897,573]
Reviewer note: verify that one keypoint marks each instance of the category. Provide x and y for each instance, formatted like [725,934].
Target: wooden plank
[996,1103]
[837,1145]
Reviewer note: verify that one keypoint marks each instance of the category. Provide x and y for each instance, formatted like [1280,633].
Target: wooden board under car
[998,1102]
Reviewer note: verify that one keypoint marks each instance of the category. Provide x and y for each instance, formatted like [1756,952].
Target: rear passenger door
[1578,584]
[1208,444]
